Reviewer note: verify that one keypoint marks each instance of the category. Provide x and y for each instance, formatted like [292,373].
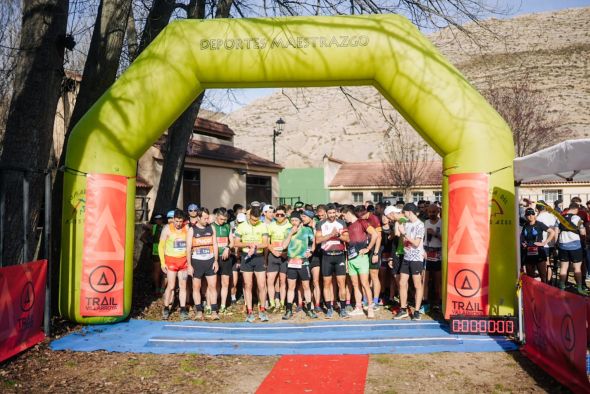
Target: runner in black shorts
[315,261]
[277,260]
[252,237]
[332,233]
[203,254]
[225,257]
[297,245]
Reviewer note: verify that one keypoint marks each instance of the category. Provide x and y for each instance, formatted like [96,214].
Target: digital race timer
[484,325]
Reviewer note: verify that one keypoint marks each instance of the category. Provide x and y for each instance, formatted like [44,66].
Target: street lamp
[278,129]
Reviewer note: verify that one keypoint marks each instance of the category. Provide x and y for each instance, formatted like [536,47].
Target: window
[191,187]
[377,196]
[357,197]
[258,188]
[438,196]
[417,196]
[397,196]
[550,195]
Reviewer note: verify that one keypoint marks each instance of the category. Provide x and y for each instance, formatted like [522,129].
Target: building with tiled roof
[351,183]
[216,173]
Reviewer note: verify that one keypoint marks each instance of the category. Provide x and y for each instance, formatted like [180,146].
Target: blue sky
[245,96]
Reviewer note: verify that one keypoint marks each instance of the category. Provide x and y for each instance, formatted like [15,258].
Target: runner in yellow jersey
[172,250]
[277,259]
[252,238]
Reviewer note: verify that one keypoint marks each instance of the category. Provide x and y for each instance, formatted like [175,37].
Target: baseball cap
[170,214]
[529,211]
[411,207]
[254,204]
[158,216]
[267,207]
[192,207]
[307,213]
[392,209]
[241,217]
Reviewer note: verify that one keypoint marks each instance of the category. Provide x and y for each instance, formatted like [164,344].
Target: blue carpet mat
[351,337]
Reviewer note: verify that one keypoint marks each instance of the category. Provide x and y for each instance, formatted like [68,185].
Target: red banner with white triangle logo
[468,245]
[555,330]
[22,301]
[103,260]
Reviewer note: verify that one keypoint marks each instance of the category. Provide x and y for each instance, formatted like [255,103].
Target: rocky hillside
[551,49]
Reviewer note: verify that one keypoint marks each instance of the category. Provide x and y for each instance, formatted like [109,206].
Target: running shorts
[359,265]
[175,264]
[299,273]
[254,263]
[202,268]
[276,264]
[412,267]
[333,264]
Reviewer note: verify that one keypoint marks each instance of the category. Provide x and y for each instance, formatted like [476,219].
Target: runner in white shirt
[549,220]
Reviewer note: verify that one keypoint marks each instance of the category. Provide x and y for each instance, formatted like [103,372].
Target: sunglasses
[280,215]
[192,210]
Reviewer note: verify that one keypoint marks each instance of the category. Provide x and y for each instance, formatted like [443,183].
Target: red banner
[103,261]
[468,245]
[555,332]
[22,300]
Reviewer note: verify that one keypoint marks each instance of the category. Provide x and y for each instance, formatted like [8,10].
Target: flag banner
[102,285]
[555,332]
[22,301]
[468,245]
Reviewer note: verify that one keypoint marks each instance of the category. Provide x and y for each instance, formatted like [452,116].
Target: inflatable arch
[385,51]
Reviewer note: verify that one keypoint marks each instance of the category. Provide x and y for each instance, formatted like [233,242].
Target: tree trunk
[157,20]
[29,126]
[179,134]
[100,71]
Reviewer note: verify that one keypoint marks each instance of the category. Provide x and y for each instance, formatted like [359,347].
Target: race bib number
[277,246]
[222,242]
[295,263]
[202,253]
[352,252]
[532,251]
[179,245]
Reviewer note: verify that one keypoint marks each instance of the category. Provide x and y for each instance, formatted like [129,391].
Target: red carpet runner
[317,374]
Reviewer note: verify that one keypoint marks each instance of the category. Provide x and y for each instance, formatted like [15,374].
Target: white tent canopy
[569,160]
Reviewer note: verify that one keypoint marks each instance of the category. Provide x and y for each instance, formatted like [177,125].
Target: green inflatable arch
[385,51]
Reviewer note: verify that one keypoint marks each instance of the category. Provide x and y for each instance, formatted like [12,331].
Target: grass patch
[7,383]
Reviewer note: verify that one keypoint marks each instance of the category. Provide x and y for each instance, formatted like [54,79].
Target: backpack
[568,219]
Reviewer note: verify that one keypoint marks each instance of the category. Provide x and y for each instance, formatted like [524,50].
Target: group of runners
[331,259]
[553,242]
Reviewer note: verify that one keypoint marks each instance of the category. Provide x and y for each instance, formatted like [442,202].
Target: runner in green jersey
[298,243]
[226,259]
[277,260]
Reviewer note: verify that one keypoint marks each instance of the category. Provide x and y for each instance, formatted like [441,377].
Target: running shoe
[208,310]
[349,308]
[311,314]
[262,316]
[343,314]
[288,314]
[250,318]
[317,309]
[183,315]
[166,314]
[376,307]
[357,312]
[215,315]
[401,314]
[417,315]
[329,313]
[298,309]
[582,291]
[422,308]
[370,313]
[199,315]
